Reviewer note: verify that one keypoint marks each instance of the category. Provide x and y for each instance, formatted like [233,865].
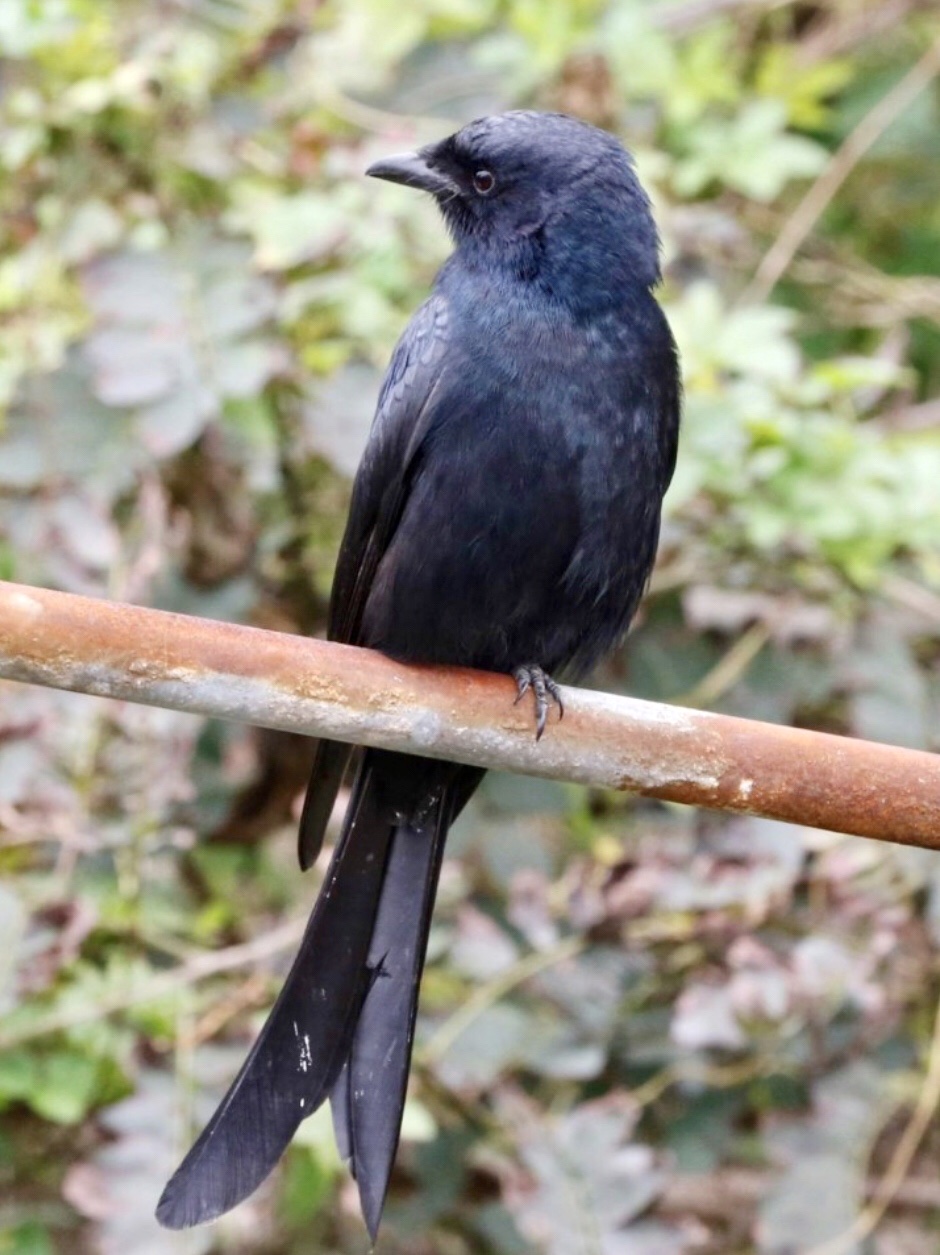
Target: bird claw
[544,689]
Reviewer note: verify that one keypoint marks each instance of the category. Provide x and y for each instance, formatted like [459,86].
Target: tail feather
[341,1111]
[296,1059]
[369,1097]
[330,763]
[343,1024]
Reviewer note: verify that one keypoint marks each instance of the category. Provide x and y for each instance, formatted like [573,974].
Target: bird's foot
[544,690]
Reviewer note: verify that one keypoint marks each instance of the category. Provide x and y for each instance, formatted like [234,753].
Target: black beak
[412,170]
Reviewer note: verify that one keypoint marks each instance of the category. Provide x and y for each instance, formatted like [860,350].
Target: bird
[505,516]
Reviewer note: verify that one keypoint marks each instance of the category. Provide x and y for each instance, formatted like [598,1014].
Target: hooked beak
[412,170]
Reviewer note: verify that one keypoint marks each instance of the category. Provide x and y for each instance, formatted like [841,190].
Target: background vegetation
[644,1030]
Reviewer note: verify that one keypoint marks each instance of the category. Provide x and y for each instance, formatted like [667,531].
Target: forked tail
[343,1024]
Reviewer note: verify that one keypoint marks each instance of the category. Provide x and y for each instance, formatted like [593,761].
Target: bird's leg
[544,689]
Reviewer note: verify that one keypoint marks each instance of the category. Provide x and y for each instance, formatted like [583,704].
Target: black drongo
[505,516]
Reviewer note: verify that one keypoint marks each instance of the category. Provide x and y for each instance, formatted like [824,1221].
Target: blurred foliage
[643,1030]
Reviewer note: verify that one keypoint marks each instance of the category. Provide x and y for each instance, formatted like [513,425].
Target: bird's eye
[483,182]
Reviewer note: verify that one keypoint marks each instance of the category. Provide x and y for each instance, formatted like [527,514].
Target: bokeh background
[644,1030]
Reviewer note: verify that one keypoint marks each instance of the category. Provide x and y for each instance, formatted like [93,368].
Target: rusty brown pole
[310,686]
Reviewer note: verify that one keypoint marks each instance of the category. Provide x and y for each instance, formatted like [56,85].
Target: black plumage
[505,516]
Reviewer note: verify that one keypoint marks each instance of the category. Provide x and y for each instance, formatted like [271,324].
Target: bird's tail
[343,1024]
[369,1095]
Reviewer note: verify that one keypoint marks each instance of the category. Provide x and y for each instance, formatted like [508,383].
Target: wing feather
[380,492]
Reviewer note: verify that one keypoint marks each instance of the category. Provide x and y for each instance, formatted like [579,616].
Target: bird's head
[545,194]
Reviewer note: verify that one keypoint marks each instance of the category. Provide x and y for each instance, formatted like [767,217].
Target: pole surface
[296,684]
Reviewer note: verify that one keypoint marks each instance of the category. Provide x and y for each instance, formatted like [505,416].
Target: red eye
[483,182]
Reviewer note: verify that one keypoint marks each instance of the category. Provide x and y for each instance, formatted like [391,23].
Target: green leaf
[288,229]
[27,1238]
[752,153]
[64,1088]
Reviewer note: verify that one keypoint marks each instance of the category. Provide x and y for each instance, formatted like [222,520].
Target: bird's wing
[379,495]
[384,476]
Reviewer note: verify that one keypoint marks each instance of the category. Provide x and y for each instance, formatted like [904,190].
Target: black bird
[505,516]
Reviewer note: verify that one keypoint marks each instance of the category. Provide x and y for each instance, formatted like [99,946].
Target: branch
[161,985]
[899,1165]
[321,689]
[816,201]
[730,1194]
